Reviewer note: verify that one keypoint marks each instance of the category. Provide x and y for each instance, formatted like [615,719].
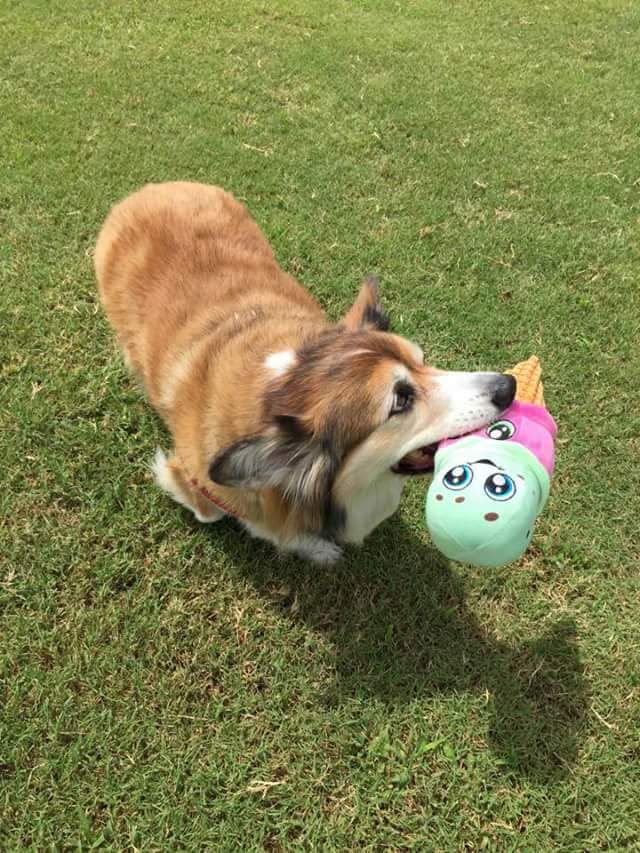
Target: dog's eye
[403,398]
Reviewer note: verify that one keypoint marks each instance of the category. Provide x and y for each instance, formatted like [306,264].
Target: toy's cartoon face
[483,510]
[481,484]
[483,478]
[489,486]
[525,424]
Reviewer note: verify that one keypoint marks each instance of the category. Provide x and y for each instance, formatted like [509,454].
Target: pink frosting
[535,429]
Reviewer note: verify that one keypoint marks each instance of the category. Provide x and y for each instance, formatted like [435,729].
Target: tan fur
[181,267]
[199,305]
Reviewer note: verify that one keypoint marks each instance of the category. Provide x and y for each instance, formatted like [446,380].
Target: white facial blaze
[466,400]
[458,403]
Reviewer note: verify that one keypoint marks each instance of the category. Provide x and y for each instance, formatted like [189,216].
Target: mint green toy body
[489,487]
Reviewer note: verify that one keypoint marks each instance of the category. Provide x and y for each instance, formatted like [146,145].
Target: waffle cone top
[528,376]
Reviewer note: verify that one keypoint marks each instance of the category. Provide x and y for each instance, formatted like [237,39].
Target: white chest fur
[368,508]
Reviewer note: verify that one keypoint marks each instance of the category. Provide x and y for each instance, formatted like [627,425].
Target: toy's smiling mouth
[417,462]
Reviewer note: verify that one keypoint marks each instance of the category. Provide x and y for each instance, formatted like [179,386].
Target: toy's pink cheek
[491,516]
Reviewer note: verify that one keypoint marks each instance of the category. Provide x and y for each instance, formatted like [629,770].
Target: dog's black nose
[503,391]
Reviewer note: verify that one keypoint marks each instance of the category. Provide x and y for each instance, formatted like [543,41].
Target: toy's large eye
[501,430]
[458,478]
[500,487]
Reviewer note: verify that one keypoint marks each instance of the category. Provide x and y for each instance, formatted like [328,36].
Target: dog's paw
[319,551]
[208,517]
[162,473]
[313,548]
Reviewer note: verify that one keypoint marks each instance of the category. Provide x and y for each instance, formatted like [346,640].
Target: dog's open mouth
[419,461]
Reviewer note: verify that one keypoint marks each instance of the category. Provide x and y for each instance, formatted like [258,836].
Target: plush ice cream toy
[489,486]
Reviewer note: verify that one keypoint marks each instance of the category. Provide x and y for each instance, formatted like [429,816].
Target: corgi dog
[303,430]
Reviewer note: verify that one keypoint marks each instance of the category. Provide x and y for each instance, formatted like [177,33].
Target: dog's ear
[285,458]
[367,312]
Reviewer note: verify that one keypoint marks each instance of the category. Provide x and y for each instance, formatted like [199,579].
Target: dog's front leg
[305,545]
[171,479]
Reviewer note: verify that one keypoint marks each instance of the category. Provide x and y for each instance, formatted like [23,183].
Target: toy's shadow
[396,616]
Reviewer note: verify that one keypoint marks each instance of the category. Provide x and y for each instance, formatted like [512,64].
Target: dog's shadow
[396,616]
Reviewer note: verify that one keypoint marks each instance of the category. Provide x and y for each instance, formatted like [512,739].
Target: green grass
[169,686]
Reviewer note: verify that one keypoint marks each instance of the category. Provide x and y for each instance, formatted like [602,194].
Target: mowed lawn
[170,686]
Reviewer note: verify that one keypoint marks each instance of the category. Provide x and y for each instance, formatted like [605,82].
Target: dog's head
[350,405]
